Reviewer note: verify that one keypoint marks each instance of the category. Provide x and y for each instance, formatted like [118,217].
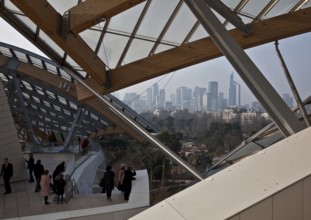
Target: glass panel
[65,75]
[181,26]
[50,94]
[51,43]
[73,63]
[46,103]
[5,51]
[67,112]
[138,50]
[91,37]
[36,61]
[253,8]
[9,5]
[156,18]
[163,47]
[62,100]
[126,21]
[281,7]
[51,68]
[73,105]
[199,34]
[25,20]
[231,3]
[27,85]
[63,6]
[112,48]
[21,56]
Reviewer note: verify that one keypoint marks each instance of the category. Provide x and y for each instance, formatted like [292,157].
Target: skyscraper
[212,104]
[234,92]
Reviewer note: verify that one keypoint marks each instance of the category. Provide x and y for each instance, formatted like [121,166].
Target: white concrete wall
[272,184]
[10,146]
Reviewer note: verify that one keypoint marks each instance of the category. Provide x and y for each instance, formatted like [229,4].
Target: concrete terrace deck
[24,203]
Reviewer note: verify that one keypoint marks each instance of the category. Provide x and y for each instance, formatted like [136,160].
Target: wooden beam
[91,12]
[110,130]
[265,31]
[48,19]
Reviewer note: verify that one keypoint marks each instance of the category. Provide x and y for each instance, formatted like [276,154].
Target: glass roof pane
[112,48]
[181,26]
[91,37]
[9,5]
[5,51]
[21,56]
[231,3]
[63,6]
[126,21]
[50,94]
[73,105]
[199,34]
[27,22]
[37,62]
[64,74]
[156,18]
[27,85]
[138,50]
[282,7]
[253,8]
[51,43]
[46,103]
[163,47]
[82,73]
[73,63]
[51,68]
[62,100]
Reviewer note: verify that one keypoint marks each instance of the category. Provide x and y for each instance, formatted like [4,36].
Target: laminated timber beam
[91,12]
[265,31]
[48,19]
[110,130]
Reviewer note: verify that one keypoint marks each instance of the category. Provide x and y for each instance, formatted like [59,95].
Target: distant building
[212,102]
[198,98]
[248,118]
[161,99]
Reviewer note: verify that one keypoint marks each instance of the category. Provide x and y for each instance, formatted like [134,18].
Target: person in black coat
[129,173]
[60,168]
[38,170]
[7,173]
[108,182]
[60,188]
[30,167]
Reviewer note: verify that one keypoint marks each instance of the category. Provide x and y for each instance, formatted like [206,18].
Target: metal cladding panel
[247,183]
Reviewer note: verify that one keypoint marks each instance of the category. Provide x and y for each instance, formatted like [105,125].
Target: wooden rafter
[48,19]
[265,31]
[91,12]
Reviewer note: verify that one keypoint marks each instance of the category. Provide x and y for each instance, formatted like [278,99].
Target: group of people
[42,176]
[43,179]
[123,181]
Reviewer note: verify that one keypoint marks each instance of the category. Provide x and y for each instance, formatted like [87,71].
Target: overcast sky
[296,51]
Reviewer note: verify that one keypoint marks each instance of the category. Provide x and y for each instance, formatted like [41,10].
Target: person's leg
[62,198]
[108,194]
[31,176]
[6,186]
[46,200]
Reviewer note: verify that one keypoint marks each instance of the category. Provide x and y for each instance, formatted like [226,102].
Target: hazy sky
[296,51]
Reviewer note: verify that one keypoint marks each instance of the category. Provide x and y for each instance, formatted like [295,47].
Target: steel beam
[248,71]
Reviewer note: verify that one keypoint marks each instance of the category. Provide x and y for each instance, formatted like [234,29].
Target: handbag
[102,182]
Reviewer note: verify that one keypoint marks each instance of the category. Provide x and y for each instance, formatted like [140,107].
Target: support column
[75,124]
[283,117]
